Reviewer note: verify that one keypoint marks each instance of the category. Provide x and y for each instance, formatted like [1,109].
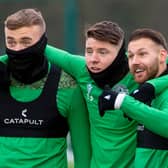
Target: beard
[149,72]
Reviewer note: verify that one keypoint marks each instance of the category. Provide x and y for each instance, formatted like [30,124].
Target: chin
[139,81]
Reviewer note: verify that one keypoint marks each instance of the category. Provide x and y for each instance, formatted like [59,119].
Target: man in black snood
[37,105]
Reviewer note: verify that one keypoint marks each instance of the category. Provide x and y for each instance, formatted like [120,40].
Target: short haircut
[154,35]
[106,31]
[25,18]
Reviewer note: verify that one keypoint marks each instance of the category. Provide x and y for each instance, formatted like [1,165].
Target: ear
[163,56]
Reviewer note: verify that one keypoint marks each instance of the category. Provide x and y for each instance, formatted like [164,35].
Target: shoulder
[66,81]
[4,58]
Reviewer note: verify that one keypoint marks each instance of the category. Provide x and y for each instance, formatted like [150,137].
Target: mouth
[95,69]
[139,74]
[138,70]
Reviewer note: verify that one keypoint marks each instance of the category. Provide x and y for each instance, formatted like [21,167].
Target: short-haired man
[40,104]
[147,55]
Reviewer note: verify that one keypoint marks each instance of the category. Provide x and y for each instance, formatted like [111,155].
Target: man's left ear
[163,55]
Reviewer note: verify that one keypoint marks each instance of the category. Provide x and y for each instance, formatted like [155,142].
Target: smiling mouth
[138,70]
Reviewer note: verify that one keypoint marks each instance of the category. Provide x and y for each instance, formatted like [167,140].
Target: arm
[3,58]
[79,130]
[152,118]
[72,64]
[160,83]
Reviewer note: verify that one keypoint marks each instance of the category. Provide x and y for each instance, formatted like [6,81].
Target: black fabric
[147,139]
[145,93]
[38,118]
[5,78]
[28,65]
[114,73]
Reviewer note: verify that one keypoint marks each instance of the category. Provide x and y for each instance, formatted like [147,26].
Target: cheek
[129,63]
[87,58]
[108,60]
[106,63]
[88,61]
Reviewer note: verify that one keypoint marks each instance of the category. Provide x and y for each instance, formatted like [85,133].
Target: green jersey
[48,152]
[113,137]
[152,150]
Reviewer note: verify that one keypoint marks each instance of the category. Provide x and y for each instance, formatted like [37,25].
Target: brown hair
[25,18]
[154,35]
[106,31]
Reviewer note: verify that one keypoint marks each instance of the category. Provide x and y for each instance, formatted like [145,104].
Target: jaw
[140,77]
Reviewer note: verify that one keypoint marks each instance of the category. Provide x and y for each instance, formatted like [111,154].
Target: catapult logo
[24,113]
[24,120]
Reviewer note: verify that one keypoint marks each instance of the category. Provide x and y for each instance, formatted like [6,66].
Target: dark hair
[24,18]
[106,31]
[154,35]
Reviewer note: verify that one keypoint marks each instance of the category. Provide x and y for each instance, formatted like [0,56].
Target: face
[146,59]
[99,54]
[22,38]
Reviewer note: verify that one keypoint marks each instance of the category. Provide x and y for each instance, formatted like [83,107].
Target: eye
[11,43]
[130,55]
[143,53]
[89,51]
[26,43]
[103,51]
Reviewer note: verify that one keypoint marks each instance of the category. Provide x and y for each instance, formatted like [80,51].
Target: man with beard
[37,105]
[147,55]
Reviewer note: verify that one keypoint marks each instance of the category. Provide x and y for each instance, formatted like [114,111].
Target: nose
[94,57]
[18,47]
[135,60]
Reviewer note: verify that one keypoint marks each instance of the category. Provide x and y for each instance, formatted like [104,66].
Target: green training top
[49,152]
[113,136]
[155,119]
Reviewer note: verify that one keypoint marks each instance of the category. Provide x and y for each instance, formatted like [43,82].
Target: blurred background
[67,19]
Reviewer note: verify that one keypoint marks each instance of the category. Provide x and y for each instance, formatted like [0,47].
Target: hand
[106,100]
[145,93]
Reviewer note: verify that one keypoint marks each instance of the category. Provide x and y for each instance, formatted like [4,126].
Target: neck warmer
[114,73]
[28,65]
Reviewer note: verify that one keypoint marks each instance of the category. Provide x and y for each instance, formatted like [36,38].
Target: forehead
[142,43]
[94,43]
[31,32]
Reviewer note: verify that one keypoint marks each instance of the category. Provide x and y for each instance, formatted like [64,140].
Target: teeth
[138,70]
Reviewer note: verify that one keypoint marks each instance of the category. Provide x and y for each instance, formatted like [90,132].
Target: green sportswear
[113,136]
[43,152]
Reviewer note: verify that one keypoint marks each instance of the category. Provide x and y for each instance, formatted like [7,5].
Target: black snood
[115,72]
[28,65]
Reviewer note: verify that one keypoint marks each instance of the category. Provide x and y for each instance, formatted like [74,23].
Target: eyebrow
[26,38]
[10,38]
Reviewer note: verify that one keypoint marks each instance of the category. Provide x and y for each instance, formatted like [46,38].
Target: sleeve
[4,58]
[79,130]
[159,83]
[154,119]
[70,63]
